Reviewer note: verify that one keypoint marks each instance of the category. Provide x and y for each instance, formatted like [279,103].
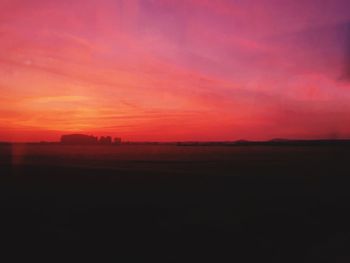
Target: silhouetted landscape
[175,131]
[283,201]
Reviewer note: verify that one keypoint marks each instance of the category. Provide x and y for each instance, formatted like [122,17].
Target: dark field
[167,203]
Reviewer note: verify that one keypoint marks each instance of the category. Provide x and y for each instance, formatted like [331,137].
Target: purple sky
[175,70]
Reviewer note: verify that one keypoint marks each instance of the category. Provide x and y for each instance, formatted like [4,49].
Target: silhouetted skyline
[84,139]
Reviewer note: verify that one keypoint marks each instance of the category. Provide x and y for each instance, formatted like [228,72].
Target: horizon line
[275,140]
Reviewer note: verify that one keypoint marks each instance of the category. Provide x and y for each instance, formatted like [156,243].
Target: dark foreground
[176,204]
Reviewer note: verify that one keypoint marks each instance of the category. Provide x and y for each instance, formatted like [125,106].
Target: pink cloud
[152,69]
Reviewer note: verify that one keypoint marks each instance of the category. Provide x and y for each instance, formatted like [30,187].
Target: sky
[175,70]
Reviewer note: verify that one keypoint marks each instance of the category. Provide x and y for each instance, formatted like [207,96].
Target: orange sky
[174,70]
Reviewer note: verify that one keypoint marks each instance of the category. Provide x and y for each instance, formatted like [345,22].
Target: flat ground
[172,203]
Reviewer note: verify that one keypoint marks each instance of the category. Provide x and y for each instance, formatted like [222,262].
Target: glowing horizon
[164,70]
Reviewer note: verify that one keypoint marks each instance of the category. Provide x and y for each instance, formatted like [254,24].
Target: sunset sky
[172,70]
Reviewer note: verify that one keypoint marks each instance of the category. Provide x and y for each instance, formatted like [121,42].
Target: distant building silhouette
[82,139]
[78,139]
[105,140]
[117,140]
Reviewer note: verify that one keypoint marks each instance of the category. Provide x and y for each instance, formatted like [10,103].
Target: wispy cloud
[174,69]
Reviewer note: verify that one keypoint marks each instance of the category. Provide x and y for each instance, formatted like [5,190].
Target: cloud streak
[174,70]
